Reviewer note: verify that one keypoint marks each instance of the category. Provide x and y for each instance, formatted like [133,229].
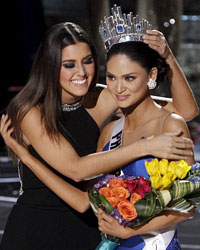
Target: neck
[138,115]
[72,100]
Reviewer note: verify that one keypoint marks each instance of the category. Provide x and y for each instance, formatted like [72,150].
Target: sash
[116,140]
[116,136]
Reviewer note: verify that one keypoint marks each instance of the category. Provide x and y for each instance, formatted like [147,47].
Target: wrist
[144,146]
[170,59]
[26,158]
[138,149]
[128,232]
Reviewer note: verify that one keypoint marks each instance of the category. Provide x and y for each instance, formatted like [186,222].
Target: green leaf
[147,206]
[95,202]
[194,198]
[106,203]
[180,205]
[181,188]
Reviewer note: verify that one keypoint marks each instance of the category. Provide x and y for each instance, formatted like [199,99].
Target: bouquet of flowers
[135,200]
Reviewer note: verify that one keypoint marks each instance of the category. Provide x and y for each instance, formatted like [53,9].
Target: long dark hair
[43,87]
[141,53]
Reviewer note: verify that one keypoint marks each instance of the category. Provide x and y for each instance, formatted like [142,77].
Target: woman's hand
[156,40]
[171,146]
[6,133]
[110,225]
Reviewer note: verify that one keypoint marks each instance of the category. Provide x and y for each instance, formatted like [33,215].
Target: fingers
[3,126]
[180,141]
[175,133]
[154,35]
[154,32]
[6,132]
[177,154]
[105,221]
[183,143]
[174,147]
[5,129]
[181,148]
[103,216]
[110,225]
[5,123]
[156,40]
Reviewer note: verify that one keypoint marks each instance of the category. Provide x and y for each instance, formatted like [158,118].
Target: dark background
[22,28]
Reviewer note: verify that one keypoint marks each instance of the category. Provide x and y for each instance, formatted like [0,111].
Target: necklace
[71,107]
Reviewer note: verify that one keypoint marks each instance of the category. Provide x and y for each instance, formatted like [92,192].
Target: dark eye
[88,60]
[129,78]
[69,65]
[110,77]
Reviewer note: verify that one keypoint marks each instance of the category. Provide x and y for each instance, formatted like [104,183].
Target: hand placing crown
[119,28]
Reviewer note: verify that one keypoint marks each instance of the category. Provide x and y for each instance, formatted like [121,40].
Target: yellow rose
[152,167]
[172,166]
[167,180]
[156,181]
[163,166]
[182,169]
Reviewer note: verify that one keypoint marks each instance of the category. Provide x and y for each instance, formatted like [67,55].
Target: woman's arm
[73,196]
[109,225]
[62,156]
[183,101]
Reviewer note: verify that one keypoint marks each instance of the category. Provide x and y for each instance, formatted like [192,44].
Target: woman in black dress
[60,128]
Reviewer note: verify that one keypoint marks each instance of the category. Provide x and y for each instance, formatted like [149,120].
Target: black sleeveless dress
[42,221]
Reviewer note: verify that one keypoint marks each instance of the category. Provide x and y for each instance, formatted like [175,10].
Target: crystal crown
[119,28]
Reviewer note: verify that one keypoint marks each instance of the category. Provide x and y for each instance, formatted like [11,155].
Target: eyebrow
[73,60]
[131,73]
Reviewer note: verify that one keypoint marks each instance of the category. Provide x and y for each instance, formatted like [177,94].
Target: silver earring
[151,83]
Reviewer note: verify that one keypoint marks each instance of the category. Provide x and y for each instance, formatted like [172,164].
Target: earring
[151,83]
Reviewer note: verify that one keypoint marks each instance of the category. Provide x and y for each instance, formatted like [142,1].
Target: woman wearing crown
[133,68]
[60,154]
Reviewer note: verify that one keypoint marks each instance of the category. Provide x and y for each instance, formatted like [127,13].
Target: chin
[81,92]
[123,105]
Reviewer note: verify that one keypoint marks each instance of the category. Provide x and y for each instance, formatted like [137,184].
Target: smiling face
[77,71]
[127,80]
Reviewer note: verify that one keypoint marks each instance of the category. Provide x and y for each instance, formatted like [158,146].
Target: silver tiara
[119,28]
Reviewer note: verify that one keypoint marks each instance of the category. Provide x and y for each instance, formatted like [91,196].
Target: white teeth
[79,82]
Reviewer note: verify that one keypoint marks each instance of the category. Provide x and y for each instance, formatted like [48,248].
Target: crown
[119,28]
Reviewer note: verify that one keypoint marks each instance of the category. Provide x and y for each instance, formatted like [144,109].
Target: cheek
[138,86]
[64,75]
[110,86]
[91,69]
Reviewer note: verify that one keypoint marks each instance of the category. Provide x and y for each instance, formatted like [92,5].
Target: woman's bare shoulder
[176,122]
[32,117]
[105,135]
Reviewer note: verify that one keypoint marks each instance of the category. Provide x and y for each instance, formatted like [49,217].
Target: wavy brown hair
[43,87]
